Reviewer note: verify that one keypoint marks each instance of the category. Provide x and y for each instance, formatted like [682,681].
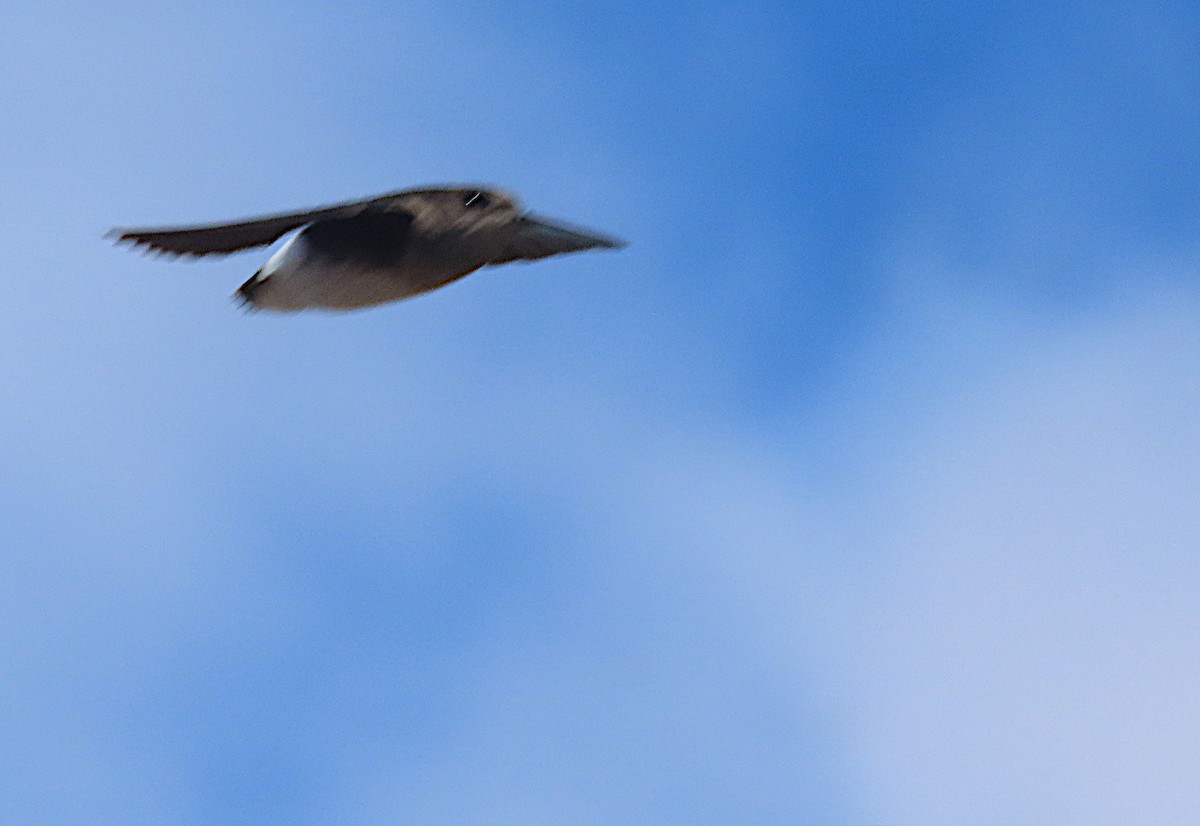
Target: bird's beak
[536,231]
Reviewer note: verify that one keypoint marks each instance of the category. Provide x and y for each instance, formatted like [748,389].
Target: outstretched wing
[209,239]
[532,237]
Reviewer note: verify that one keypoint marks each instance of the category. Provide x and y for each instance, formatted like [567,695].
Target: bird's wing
[533,237]
[374,237]
[207,239]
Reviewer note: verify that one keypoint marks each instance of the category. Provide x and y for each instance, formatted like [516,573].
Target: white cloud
[1001,614]
[1026,655]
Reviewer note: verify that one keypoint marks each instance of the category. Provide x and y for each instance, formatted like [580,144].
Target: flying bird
[367,252]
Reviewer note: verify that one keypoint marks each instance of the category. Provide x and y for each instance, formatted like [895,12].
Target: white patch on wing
[288,257]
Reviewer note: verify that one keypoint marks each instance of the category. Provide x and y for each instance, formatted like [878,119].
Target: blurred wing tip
[599,241]
[134,240]
[122,235]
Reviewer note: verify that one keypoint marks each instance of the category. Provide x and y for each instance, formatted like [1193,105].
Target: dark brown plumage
[369,251]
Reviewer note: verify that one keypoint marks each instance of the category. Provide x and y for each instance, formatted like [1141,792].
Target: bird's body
[381,249]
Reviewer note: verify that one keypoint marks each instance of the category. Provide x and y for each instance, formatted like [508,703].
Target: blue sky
[859,489]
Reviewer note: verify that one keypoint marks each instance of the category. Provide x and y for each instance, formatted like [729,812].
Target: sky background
[861,488]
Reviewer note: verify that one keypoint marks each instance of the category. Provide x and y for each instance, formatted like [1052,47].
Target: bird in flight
[367,252]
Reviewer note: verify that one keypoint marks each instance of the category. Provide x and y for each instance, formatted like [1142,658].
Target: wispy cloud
[855,490]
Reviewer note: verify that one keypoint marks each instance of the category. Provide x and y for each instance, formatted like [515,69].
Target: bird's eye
[476,200]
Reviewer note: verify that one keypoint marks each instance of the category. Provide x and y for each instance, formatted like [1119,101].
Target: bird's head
[463,210]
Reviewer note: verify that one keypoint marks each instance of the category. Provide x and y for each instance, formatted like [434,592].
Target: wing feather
[533,237]
[219,239]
